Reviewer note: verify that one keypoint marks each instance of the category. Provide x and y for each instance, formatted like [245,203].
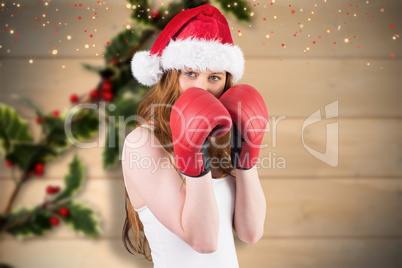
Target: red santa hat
[197,38]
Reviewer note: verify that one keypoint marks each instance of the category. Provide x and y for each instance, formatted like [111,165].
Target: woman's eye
[189,73]
[217,78]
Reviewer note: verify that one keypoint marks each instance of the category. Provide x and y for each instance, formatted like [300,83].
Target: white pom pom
[145,68]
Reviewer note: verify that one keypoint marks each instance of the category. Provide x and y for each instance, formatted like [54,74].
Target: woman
[188,182]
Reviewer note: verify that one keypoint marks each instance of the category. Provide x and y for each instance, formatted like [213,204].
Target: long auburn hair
[167,91]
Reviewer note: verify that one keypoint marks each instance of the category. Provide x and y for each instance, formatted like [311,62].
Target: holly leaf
[28,222]
[12,129]
[56,136]
[26,155]
[91,67]
[121,120]
[240,10]
[82,125]
[112,150]
[73,180]
[126,106]
[82,219]
[33,106]
[124,42]
[3,265]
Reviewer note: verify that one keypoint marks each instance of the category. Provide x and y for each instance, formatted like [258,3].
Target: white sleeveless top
[169,251]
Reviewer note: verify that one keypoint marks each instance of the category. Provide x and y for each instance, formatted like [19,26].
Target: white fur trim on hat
[198,54]
[203,55]
[145,68]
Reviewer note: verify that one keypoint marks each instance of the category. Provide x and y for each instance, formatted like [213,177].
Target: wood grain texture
[369,29]
[366,148]
[296,207]
[282,253]
[291,87]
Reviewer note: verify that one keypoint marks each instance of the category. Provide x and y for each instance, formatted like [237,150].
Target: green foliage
[84,124]
[73,180]
[33,106]
[237,10]
[123,117]
[122,45]
[12,129]
[90,67]
[3,265]
[82,219]
[141,13]
[26,155]
[28,222]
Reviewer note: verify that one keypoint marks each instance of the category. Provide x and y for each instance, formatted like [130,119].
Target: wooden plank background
[317,215]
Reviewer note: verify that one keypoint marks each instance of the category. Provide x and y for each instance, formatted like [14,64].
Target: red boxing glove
[196,115]
[250,117]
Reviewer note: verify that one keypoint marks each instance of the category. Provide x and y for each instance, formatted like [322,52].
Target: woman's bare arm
[250,208]
[190,212]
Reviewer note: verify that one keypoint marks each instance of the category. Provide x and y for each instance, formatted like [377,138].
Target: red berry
[39,169]
[9,163]
[94,94]
[108,96]
[113,61]
[107,85]
[39,121]
[54,221]
[56,113]
[49,190]
[155,14]
[56,189]
[73,98]
[63,211]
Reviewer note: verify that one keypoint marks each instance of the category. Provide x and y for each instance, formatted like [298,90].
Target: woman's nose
[201,83]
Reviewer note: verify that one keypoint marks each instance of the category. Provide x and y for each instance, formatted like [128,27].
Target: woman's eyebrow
[190,70]
[218,73]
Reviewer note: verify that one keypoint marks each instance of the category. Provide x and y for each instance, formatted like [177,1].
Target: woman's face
[213,82]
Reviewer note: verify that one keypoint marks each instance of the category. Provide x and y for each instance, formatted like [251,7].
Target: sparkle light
[86,46]
[128,5]
[346,40]
[54,52]
[30,61]
[251,14]
[267,36]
